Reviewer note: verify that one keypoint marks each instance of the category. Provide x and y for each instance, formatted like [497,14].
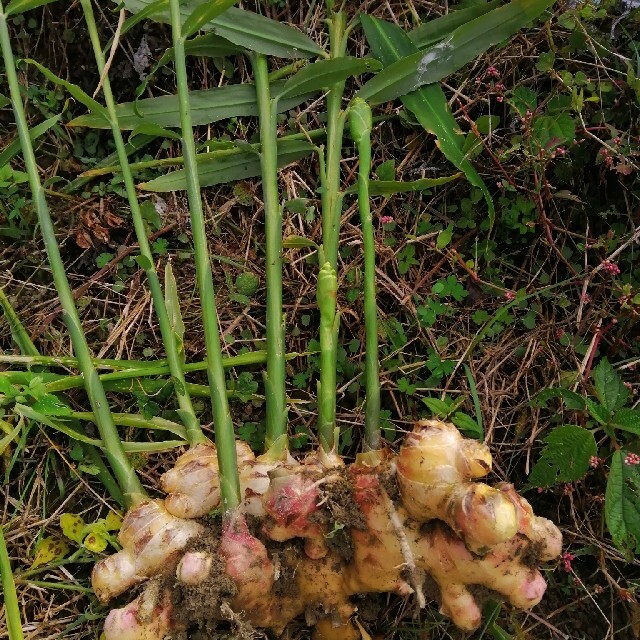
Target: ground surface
[560,213]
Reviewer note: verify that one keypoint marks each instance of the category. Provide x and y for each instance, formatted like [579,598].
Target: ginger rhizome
[410,517]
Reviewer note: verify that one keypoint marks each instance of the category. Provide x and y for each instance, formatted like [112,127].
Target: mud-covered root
[379,562]
[152,541]
[434,469]
[148,617]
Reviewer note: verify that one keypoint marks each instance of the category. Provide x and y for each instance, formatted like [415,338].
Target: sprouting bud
[360,120]
[327,292]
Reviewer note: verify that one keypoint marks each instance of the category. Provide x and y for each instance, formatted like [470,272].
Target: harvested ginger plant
[416,515]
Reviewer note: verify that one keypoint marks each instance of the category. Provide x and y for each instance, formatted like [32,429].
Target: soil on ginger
[422,333]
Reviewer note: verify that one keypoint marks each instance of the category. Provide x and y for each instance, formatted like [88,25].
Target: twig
[112,52]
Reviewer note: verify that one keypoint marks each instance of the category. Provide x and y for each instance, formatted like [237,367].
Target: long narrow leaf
[447,56]
[229,166]
[435,30]
[203,14]
[207,106]
[82,97]
[20,6]
[324,73]
[14,148]
[390,187]
[429,104]
[246,29]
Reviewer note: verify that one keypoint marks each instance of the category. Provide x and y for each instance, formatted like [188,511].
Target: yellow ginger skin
[435,468]
[474,535]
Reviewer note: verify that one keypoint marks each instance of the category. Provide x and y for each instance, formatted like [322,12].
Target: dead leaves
[94,227]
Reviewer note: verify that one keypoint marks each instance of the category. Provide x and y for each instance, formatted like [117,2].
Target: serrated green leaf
[565,457]
[627,420]
[550,131]
[324,73]
[622,503]
[572,400]
[20,6]
[75,91]
[447,56]
[207,106]
[229,166]
[435,30]
[598,412]
[246,29]
[610,388]
[389,43]
[467,425]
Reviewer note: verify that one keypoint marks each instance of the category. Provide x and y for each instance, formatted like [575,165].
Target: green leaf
[389,43]
[75,91]
[627,420]
[572,400]
[435,30]
[610,389]
[50,405]
[20,6]
[207,106]
[229,166]
[598,412]
[438,407]
[150,11]
[203,14]
[143,262]
[447,56]
[324,73]
[467,425]
[72,526]
[391,187]
[622,503]
[246,29]
[565,458]
[444,237]
[551,131]
[172,302]
[298,242]
[14,148]
[4,101]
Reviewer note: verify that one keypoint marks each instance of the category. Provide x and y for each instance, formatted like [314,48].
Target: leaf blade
[622,503]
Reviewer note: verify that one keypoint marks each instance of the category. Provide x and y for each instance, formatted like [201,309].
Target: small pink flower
[509,295]
[616,140]
[595,462]
[561,151]
[632,459]
[585,297]
[567,489]
[610,267]
[500,98]
[567,559]
[386,219]
[499,184]
[493,72]
[478,80]
[604,152]
[499,86]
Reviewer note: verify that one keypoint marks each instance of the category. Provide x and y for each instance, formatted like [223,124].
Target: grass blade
[18,332]
[245,29]
[12,608]
[447,56]
[13,148]
[229,166]
[20,6]
[429,104]
[203,14]
[207,106]
[391,187]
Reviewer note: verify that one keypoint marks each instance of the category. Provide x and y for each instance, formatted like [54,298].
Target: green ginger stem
[360,121]
[169,337]
[120,464]
[12,608]
[223,426]
[274,377]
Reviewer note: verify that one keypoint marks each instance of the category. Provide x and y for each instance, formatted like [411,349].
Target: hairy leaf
[565,457]
[246,29]
[627,420]
[229,166]
[610,388]
[207,106]
[435,30]
[447,56]
[622,503]
[389,43]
